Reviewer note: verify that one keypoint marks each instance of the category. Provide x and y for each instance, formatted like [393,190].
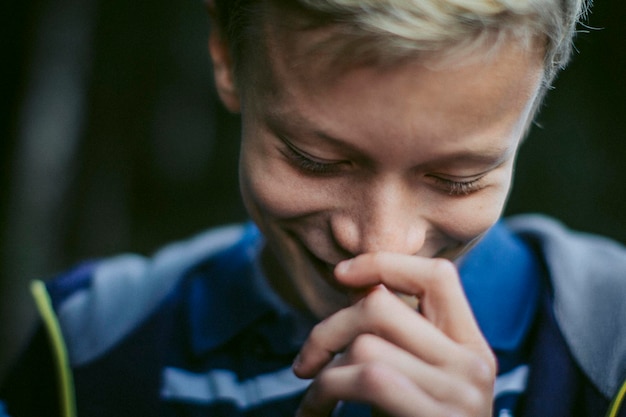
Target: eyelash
[307,164]
[459,188]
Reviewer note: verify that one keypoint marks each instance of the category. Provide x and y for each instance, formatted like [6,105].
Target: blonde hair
[397,28]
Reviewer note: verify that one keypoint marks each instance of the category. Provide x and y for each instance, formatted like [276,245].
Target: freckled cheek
[466,219]
[270,188]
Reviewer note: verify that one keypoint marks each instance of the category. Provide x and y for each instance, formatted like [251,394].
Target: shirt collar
[501,278]
[227,295]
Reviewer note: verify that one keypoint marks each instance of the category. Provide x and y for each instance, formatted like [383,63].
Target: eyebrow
[486,157]
[290,120]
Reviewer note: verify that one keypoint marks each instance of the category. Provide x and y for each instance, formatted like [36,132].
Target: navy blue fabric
[233,323]
[501,277]
[125,382]
[64,285]
[507,288]
[222,316]
[222,296]
[556,385]
[554,379]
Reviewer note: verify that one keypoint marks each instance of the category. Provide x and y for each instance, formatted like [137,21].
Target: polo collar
[502,277]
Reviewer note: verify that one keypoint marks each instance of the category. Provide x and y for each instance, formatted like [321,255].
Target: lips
[452,250]
[325,270]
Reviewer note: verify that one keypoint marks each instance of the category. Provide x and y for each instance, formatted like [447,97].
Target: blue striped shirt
[196,330]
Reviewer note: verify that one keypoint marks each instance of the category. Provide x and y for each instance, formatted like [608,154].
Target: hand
[381,352]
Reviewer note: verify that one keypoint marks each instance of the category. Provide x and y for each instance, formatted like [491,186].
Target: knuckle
[444,269]
[479,368]
[374,303]
[364,349]
[373,307]
[474,394]
[473,400]
[373,378]
[483,370]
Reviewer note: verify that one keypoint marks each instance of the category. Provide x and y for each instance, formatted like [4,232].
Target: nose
[382,217]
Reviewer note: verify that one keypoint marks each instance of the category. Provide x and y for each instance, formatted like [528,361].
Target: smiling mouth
[327,271]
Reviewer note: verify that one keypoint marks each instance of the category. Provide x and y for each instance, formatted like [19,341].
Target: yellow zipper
[66,381]
[617,401]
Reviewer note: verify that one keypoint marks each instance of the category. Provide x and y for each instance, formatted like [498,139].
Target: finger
[434,381]
[435,281]
[375,384]
[370,353]
[380,313]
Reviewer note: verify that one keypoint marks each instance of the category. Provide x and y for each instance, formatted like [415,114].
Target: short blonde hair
[397,28]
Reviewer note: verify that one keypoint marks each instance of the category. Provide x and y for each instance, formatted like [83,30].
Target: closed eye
[307,163]
[459,188]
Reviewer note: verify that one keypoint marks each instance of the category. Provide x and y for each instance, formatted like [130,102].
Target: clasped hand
[381,352]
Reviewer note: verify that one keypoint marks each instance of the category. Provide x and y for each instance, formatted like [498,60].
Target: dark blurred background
[113,140]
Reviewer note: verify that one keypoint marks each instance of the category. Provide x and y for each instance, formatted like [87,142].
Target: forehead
[299,62]
[334,42]
[321,49]
[470,103]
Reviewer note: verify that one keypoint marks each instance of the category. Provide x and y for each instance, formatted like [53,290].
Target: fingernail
[296,362]
[343,266]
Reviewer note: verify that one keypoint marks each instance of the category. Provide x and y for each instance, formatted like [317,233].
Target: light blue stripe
[513,382]
[223,386]
[126,289]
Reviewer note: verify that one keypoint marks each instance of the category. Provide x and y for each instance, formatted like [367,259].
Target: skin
[371,182]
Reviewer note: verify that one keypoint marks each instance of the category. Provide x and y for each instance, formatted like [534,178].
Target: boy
[378,145]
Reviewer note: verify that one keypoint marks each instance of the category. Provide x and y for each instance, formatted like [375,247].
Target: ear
[223,71]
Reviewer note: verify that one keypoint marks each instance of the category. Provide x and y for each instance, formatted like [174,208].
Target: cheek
[264,191]
[270,186]
[272,189]
[467,218]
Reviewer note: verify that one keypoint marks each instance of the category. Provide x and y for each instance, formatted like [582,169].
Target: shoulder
[556,238]
[98,303]
[588,278]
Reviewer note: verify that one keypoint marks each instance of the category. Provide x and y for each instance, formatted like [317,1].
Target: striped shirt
[197,331]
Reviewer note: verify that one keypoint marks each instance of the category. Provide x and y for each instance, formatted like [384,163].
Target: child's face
[411,159]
